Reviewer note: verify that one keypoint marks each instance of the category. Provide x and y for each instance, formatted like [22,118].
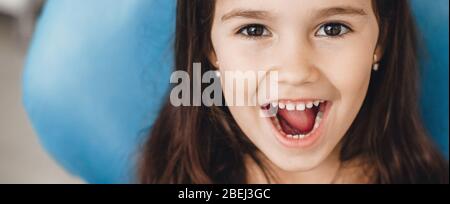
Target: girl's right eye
[254,31]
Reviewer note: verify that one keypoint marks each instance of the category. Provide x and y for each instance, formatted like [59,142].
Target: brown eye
[254,30]
[332,30]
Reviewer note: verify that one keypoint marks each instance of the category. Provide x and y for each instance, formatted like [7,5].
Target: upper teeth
[300,106]
[281,105]
[290,106]
[316,103]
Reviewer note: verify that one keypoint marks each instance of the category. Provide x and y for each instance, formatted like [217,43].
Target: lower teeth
[317,121]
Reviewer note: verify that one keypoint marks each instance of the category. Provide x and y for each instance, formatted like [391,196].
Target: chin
[303,162]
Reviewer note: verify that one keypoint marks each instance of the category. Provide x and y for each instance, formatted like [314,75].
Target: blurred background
[22,158]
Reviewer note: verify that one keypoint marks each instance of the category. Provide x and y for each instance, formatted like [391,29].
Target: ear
[379,50]
[212,57]
[378,54]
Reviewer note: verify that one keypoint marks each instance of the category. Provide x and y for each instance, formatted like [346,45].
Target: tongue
[296,122]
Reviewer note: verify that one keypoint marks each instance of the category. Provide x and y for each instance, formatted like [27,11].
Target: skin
[310,64]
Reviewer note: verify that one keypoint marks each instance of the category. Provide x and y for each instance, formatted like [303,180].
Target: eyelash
[342,25]
[246,27]
[247,36]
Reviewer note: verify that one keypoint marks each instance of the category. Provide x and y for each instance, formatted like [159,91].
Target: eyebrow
[347,10]
[256,14]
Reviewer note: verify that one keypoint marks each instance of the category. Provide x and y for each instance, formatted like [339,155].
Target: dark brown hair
[205,145]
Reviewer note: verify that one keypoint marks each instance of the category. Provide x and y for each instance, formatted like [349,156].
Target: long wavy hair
[190,144]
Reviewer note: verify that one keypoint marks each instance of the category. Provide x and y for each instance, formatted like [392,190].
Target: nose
[295,57]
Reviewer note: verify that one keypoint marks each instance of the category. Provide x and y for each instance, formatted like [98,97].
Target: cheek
[349,69]
[240,70]
[348,64]
[349,73]
[233,56]
[236,60]
[351,78]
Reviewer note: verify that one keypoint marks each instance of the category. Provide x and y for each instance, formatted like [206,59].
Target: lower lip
[306,142]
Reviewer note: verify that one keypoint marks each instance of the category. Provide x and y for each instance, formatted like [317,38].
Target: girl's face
[323,52]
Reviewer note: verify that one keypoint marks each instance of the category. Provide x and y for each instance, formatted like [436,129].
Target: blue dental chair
[97,71]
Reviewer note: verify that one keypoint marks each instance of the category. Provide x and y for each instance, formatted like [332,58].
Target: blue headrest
[432,18]
[97,71]
[94,79]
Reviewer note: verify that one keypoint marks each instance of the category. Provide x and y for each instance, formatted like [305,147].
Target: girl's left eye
[332,30]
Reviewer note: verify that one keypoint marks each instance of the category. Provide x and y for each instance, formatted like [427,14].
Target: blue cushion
[94,79]
[97,71]
[432,18]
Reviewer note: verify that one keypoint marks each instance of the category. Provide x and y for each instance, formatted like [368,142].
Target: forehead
[292,8]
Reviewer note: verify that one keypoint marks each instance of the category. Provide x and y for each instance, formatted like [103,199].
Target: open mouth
[296,120]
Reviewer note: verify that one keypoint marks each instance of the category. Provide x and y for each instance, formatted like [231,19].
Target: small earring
[375,66]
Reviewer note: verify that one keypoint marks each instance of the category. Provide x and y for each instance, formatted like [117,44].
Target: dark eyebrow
[341,11]
[255,14]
